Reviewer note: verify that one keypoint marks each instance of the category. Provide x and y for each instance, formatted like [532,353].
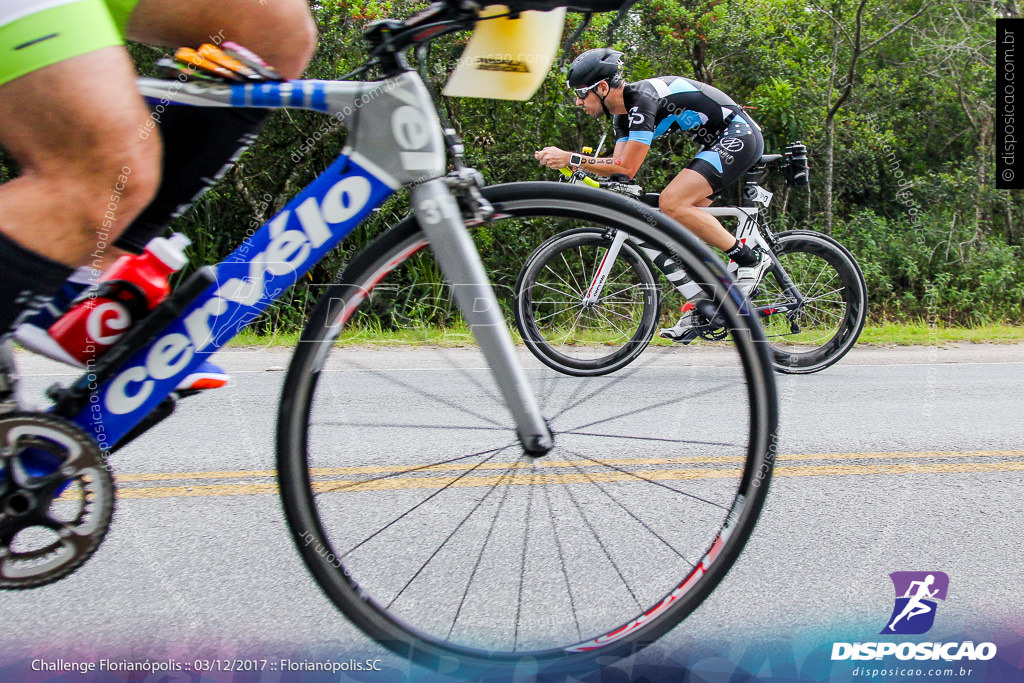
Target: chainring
[712,333]
[56,499]
[707,329]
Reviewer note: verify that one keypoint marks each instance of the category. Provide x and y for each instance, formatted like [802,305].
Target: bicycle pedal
[708,315]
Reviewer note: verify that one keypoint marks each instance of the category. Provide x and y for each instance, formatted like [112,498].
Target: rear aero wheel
[575,337]
[419,515]
[834,307]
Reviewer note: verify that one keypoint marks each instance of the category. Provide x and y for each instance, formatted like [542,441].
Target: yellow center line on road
[459,467]
[921,465]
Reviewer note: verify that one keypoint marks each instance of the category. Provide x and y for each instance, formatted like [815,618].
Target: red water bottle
[132,287]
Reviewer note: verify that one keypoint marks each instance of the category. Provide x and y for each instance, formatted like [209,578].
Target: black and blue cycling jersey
[731,140]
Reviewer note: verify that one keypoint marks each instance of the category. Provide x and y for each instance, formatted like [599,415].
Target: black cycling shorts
[738,147]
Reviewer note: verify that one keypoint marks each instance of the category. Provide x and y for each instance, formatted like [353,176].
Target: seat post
[752,177]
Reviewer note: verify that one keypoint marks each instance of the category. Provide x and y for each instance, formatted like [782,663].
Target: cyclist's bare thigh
[67,112]
[72,126]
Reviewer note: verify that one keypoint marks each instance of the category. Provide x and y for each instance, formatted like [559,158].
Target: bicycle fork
[593,294]
[439,215]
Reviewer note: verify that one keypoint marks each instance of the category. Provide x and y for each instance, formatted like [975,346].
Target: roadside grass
[454,336]
[924,334]
[884,334]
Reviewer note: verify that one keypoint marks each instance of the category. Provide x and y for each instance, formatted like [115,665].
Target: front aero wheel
[574,336]
[419,515]
[814,334]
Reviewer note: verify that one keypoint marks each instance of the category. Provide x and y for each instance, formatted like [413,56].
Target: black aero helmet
[592,67]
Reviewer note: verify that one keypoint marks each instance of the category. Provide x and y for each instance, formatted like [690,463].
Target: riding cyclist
[647,109]
[94,183]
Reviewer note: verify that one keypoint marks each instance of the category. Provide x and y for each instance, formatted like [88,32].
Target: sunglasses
[582,92]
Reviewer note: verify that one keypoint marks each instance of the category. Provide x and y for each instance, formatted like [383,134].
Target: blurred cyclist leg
[72,120]
[201,143]
[70,115]
[68,112]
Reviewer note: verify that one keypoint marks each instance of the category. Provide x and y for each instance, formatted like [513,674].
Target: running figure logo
[916,596]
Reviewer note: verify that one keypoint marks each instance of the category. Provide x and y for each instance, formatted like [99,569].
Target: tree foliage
[912,164]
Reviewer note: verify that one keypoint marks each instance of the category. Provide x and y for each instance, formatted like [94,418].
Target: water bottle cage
[795,168]
[125,293]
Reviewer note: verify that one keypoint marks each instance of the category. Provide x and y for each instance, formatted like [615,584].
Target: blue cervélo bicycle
[470,507]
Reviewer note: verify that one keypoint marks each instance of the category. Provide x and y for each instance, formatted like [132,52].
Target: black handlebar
[388,37]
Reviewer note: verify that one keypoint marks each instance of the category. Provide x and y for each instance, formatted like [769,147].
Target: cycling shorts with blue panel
[738,147]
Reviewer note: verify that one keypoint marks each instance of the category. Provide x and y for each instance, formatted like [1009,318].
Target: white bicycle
[588,300]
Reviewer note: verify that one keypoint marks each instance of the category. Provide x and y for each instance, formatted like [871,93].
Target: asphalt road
[895,459]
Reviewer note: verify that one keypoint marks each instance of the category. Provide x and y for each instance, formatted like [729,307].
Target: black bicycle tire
[534,338]
[855,315]
[296,487]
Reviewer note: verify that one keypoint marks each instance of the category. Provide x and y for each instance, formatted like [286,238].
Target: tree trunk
[698,56]
[830,127]
[830,135]
[985,159]
[857,49]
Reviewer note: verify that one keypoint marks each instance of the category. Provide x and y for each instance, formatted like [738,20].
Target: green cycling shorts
[44,32]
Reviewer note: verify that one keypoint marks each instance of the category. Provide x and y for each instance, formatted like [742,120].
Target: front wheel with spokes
[572,332]
[419,514]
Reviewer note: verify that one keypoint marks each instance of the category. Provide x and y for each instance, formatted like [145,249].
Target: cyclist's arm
[634,131]
[627,158]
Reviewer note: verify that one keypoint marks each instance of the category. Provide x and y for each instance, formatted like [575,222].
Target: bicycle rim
[420,517]
[835,306]
[563,329]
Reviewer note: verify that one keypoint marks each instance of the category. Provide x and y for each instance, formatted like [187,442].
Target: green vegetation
[893,98]
[887,334]
[921,333]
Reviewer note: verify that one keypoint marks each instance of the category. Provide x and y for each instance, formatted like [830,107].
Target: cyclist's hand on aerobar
[552,157]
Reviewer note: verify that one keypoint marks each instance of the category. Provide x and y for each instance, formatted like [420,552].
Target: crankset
[707,324]
[56,498]
[712,333]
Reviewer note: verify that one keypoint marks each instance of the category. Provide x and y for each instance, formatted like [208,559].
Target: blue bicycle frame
[397,122]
